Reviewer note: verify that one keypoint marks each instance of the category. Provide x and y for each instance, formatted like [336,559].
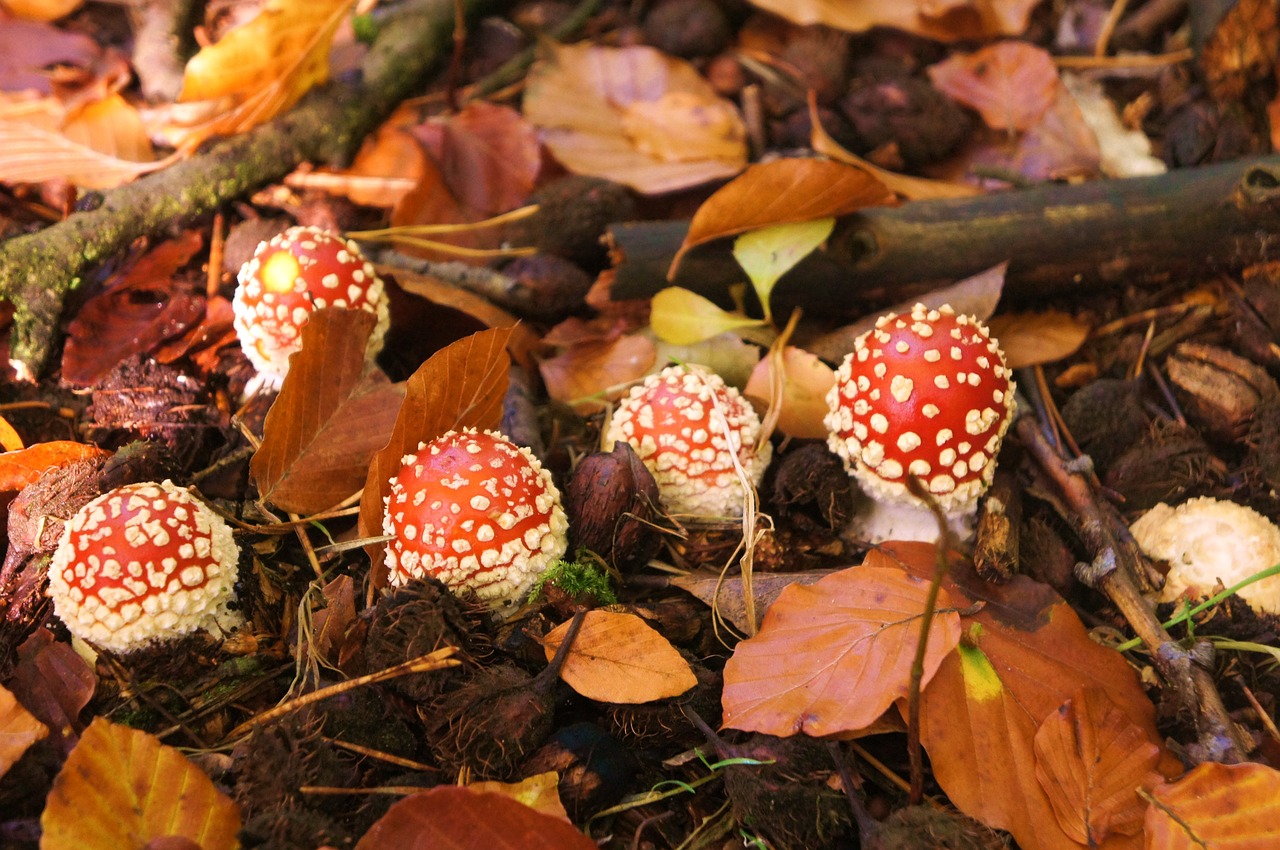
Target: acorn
[613,508]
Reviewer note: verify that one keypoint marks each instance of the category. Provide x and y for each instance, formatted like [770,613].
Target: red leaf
[54,684]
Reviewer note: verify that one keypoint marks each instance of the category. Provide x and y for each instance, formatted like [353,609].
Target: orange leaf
[1215,807]
[540,792]
[10,440]
[833,656]
[1031,339]
[1011,83]
[779,192]
[20,468]
[586,370]
[488,155]
[949,21]
[1092,761]
[806,380]
[461,386]
[618,658]
[333,413]
[18,730]
[121,787]
[460,819]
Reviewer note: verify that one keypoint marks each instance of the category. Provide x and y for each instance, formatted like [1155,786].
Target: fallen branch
[38,270]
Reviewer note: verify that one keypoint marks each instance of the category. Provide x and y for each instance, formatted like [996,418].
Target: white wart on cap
[143,563]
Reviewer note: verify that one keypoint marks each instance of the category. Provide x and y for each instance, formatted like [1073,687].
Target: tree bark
[1056,238]
[38,270]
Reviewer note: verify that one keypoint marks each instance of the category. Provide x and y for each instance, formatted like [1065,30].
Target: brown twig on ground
[38,270]
[1121,571]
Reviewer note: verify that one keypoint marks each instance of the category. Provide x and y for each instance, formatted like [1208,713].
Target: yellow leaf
[770,252]
[540,792]
[18,730]
[121,787]
[41,10]
[683,317]
[618,658]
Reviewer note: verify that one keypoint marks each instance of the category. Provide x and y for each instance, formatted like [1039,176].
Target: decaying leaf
[121,787]
[1216,807]
[540,792]
[332,414]
[945,21]
[806,380]
[1031,339]
[1010,84]
[833,656]
[619,658]
[1241,49]
[581,374]
[458,818]
[726,596]
[54,684]
[19,729]
[20,468]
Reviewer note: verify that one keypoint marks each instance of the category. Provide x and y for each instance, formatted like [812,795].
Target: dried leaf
[725,596]
[1031,339]
[387,167]
[41,10]
[540,792]
[1011,84]
[461,386]
[768,253]
[635,116]
[331,625]
[780,192]
[1061,146]
[333,413]
[947,21]
[20,468]
[32,154]
[619,658]
[581,374]
[1241,49]
[487,154]
[683,317]
[19,729]
[833,656]
[121,787]
[806,380]
[1092,761]
[461,819]
[10,440]
[1216,807]
[54,684]
[28,47]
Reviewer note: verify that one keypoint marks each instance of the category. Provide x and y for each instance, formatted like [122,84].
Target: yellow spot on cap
[279,272]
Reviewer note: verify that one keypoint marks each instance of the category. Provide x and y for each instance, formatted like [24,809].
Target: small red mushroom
[291,275]
[927,395]
[693,432]
[475,511]
[143,563]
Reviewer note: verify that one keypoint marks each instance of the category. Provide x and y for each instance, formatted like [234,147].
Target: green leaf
[770,252]
[683,317]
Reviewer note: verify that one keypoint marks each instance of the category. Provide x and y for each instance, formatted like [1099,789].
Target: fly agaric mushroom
[1209,542]
[290,276]
[693,432]
[143,563]
[927,395]
[475,511]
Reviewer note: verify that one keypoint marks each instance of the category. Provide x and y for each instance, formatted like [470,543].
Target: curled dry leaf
[19,729]
[1215,806]
[833,656]
[947,21]
[121,787]
[1033,339]
[54,684]
[635,116]
[806,380]
[332,414]
[540,792]
[619,658]
[1010,84]
[20,468]
[462,819]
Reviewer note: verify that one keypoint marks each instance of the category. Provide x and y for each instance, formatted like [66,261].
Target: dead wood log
[39,269]
[1057,238]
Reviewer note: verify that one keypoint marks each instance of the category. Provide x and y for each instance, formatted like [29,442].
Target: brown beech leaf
[725,595]
[1060,146]
[332,414]
[779,192]
[20,468]
[619,658]
[1092,761]
[1241,48]
[540,792]
[582,373]
[19,729]
[806,380]
[460,386]
[1216,807]
[1011,83]
[1032,339]
[53,683]
[487,154]
[121,787]
[452,818]
[1024,653]
[832,656]
[945,21]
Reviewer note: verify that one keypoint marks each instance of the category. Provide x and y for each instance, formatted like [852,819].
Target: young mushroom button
[291,275]
[142,563]
[926,394]
[475,511]
[693,433]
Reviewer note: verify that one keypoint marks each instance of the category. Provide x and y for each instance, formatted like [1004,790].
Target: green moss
[578,578]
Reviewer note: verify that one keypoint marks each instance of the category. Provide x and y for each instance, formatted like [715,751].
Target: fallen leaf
[387,167]
[27,48]
[487,154]
[781,192]
[540,792]
[725,595]
[1011,84]
[619,658]
[25,466]
[1092,761]
[683,317]
[19,729]
[1031,339]
[461,386]
[833,656]
[41,10]
[806,380]
[10,440]
[332,414]
[331,625]
[767,253]
[1060,146]
[31,154]
[944,21]
[583,373]
[452,818]
[54,684]
[1216,807]
[121,787]
[635,116]
[1240,49]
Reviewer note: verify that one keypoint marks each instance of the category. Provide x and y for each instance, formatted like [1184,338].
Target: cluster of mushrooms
[926,395]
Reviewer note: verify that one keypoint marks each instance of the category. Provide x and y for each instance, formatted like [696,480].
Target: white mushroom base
[877,521]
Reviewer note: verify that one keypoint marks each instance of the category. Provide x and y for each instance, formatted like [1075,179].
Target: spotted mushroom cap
[686,425]
[927,394]
[142,563]
[475,511]
[291,275]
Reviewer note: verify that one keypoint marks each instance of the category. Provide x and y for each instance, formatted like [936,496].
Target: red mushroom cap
[141,563]
[928,395]
[475,511]
[291,275]
[687,425]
